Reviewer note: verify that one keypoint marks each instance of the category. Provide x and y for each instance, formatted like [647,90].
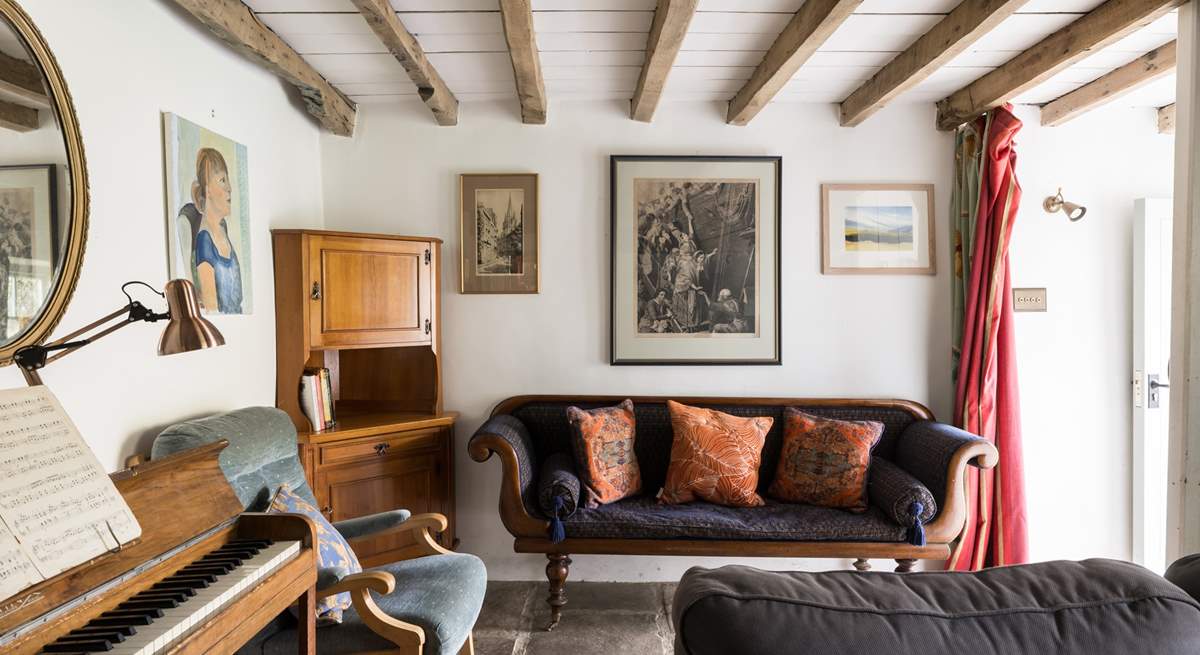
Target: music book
[58,508]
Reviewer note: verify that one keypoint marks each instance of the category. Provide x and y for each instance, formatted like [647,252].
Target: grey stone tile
[607,596]
[504,605]
[668,593]
[491,644]
[599,633]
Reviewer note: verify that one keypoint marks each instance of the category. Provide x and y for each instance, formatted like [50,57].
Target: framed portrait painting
[877,229]
[208,215]
[695,260]
[498,223]
[29,253]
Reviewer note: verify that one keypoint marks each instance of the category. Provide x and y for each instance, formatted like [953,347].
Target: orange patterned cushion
[824,461]
[714,457]
[603,440]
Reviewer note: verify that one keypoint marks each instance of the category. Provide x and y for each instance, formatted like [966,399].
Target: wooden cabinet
[366,307]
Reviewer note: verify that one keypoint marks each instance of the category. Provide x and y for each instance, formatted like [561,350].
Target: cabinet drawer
[379,447]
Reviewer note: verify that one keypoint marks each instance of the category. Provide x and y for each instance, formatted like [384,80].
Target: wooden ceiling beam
[1166,119]
[517,17]
[1109,87]
[1101,27]
[963,26]
[18,117]
[404,47]
[21,82]
[812,25]
[235,24]
[671,20]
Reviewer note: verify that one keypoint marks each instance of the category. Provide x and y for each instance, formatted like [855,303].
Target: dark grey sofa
[1094,607]
[916,488]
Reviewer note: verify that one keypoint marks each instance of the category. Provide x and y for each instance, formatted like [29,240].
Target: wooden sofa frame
[531,533]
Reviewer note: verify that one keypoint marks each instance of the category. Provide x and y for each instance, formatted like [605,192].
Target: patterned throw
[333,552]
[825,461]
[714,457]
[603,441]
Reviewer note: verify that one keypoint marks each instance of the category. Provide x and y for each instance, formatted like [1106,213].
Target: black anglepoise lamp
[186,329]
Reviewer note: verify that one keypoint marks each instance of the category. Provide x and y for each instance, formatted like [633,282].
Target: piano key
[110,635]
[98,646]
[120,620]
[193,577]
[152,612]
[152,594]
[218,568]
[177,622]
[96,629]
[145,603]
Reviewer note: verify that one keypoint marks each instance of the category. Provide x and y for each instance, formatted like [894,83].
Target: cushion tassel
[916,533]
[558,533]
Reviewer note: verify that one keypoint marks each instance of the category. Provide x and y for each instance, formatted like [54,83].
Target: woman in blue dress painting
[215,269]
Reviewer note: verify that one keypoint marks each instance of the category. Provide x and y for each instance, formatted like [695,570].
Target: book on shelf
[316,398]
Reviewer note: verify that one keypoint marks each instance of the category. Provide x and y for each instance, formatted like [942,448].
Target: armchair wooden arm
[949,523]
[422,527]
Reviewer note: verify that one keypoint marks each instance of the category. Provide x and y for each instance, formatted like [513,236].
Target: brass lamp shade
[186,330]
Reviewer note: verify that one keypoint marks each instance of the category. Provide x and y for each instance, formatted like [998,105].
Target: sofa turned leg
[556,571]
[905,565]
[862,564]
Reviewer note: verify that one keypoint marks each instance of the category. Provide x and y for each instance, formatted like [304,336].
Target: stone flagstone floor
[600,617]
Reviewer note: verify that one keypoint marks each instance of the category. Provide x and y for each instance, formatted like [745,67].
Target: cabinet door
[369,291]
[411,481]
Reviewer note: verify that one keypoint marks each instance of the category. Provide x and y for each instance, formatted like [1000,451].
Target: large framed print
[875,229]
[695,259]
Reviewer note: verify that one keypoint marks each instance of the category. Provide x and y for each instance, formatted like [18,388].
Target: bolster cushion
[898,493]
[1094,607]
[558,480]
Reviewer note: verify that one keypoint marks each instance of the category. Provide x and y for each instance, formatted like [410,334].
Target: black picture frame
[777,163]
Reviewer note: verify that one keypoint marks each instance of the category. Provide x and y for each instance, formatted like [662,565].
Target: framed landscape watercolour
[208,215]
[877,229]
[498,224]
[29,253]
[695,260]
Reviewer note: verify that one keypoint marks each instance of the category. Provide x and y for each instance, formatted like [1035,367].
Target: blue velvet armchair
[422,606]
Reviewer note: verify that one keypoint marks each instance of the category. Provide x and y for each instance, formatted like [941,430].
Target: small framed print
[499,227]
[877,229]
[695,260]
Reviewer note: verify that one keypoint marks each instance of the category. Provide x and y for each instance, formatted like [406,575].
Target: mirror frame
[64,112]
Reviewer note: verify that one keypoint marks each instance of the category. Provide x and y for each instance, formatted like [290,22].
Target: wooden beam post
[671,20]
[18,117]
[812,25]
[517,17]
[21,81]
[235,24]
[404,47]
[1101,27]
[1166,119]
[964,25]
[1109,87]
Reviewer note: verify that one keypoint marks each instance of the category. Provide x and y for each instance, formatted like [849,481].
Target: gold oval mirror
[43,186]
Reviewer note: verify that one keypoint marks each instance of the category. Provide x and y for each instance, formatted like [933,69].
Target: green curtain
[964,208]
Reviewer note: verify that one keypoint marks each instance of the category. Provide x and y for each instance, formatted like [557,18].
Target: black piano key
[197,577]
[152,612]
[260,543]
[216,568]
[97,646]
[107,634]
[120,620]
[156,594]
[136,603]
[123,630]
[189,587]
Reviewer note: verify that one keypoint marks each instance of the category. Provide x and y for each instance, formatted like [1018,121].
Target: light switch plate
[1029,299]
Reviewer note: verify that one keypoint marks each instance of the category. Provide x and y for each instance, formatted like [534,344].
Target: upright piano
[204,577]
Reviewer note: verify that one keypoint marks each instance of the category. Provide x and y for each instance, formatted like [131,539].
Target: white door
[1151,350]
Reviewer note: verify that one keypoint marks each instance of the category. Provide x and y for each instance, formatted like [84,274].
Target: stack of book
[316,398]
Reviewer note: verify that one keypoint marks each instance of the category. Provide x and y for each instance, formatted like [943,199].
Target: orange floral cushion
[824,461]
[714,457]
[603,441]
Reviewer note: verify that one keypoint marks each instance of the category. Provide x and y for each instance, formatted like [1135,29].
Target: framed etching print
[882,229]
[499,228]
[695,260]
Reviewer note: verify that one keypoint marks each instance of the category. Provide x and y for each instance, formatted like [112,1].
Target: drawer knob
[382,448]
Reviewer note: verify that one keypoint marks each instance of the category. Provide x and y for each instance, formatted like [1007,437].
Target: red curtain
[986,400]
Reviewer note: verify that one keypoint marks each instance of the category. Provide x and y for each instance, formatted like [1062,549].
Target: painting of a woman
[206,181]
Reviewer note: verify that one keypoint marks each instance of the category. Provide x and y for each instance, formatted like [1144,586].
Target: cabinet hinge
[428,256]
[315,294]
[428,326]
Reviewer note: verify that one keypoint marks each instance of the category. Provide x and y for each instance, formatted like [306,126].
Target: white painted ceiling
[593,49]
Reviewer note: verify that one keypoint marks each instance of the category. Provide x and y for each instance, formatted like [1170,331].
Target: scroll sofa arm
[508,437]
[360,586]
[938,454]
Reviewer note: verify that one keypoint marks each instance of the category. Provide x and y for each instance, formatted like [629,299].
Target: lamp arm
[31,358]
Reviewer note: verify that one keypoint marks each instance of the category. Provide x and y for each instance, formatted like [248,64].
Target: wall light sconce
[1056,203]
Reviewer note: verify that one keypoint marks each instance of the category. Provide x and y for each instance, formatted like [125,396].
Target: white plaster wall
[843,336]
[1075,361]
[126,61]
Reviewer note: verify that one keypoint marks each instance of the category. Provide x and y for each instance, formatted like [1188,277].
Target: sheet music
[58,508]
